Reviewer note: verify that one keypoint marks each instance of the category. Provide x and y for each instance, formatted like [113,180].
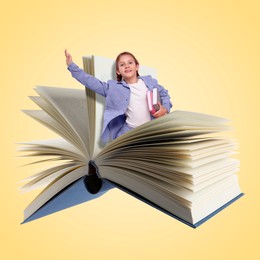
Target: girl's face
[127,68]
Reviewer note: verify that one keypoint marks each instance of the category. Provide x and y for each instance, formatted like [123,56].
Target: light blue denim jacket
[117,95]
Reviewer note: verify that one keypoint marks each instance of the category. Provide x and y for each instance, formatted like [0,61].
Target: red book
[153,99]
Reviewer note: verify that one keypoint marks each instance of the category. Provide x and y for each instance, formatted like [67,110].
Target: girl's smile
[127,68]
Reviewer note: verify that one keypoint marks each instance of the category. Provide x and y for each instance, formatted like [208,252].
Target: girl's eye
[121,65]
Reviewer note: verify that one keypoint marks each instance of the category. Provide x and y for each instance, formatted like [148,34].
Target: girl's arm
[84,78]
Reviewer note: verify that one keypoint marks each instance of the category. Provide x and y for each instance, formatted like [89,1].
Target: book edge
[150,203]
[218,210]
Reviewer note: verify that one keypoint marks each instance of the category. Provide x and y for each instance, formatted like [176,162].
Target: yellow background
[206,54]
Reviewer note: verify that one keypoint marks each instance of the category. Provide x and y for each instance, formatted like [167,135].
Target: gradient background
[207,56]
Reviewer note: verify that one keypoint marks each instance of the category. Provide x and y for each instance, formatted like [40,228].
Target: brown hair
[119,77]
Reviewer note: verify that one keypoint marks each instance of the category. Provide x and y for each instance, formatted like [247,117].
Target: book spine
[92,181]
[149,96]
[156,99]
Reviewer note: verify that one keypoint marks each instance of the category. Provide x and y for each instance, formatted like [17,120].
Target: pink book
[153,99]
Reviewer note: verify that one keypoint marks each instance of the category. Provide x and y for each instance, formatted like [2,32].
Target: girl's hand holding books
[161,112]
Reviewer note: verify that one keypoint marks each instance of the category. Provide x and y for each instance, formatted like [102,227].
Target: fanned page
[54,149]
[103,69]
[65,112]
[179,162]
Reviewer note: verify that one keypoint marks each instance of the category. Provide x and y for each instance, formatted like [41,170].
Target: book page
[54,147]
[64,110]
[103,69]
[63,180]
[168,154]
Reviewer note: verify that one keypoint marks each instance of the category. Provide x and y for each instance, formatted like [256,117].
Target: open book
[180,163]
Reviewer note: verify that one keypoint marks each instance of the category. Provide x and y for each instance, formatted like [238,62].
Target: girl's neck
[131,81]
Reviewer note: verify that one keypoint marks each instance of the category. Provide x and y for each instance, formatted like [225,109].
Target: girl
[126,105]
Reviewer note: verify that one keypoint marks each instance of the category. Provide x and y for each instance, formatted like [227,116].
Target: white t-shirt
[137,112]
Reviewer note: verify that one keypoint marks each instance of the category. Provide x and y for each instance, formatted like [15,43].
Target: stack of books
[153,100]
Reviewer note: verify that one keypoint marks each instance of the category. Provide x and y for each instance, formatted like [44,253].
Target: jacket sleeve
[165,98]
[87,80]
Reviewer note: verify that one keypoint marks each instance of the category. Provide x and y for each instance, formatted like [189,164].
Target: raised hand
[68,57]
